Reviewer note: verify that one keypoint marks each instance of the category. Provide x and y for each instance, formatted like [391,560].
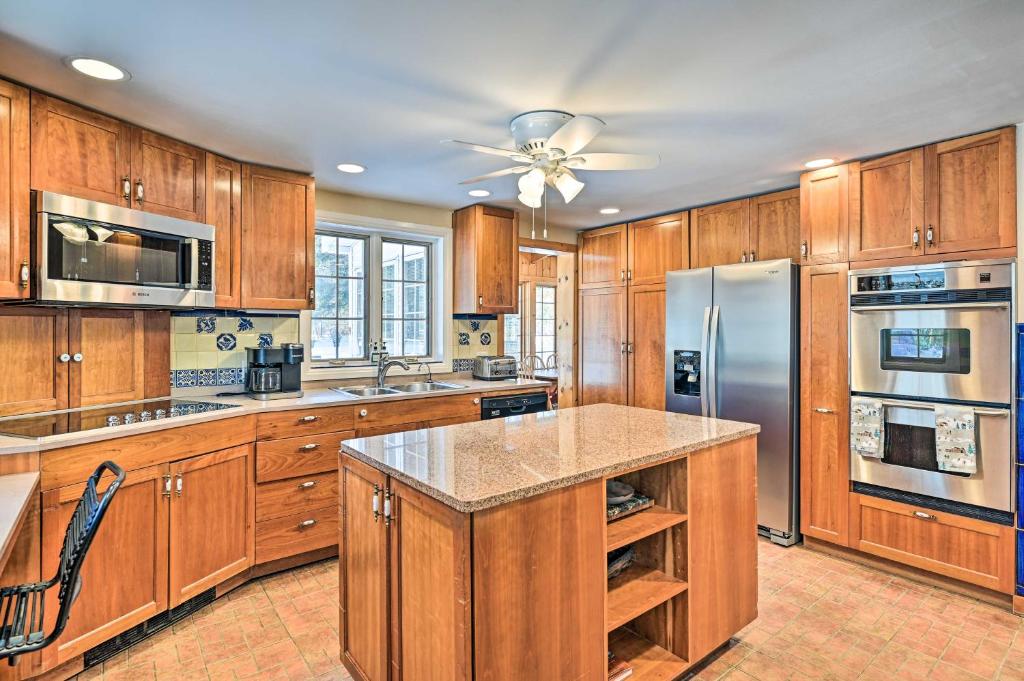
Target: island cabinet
[486,267]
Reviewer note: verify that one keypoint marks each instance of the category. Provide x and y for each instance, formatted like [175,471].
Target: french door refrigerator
[732,341]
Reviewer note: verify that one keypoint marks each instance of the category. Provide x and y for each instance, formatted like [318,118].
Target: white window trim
[441,276]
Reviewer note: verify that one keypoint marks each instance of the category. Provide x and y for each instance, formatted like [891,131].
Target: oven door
[956,351]
[909,463]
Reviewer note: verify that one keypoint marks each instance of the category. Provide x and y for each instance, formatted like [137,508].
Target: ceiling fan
[547,147]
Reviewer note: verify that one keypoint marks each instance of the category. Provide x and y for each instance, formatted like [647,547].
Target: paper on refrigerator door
[866,427]
[956,439]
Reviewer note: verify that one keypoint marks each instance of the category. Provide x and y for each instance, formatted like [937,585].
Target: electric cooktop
[93,418]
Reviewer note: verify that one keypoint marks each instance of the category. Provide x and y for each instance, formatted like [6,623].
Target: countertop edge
[26,486]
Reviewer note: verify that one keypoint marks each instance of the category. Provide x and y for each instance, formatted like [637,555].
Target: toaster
[494,367]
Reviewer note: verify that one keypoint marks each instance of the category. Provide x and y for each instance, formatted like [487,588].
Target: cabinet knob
[753,256]
[309,447]
[77,357]
[309,484]
[308,419]
[307,523]
[743,258]
[362,413]
[476,400]
[312,296]
[803,249]
[64,358]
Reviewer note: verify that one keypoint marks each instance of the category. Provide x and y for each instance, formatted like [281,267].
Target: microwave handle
[193,280]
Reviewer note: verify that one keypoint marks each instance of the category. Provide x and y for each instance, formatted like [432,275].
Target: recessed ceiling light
[820,163]
[97,68]
[479,192]
[351,168]
[609,211]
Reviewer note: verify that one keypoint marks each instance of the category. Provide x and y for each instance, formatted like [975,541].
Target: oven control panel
[901,281]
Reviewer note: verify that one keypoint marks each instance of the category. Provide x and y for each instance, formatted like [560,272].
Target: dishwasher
[513,405]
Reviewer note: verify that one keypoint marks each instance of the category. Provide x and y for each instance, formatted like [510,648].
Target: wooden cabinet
[645,348]
[657,246]
[602,257]
[14,191]
[603,371]
[775,226]
[824,404]
[169,176]
[38,379]
[224,211]
[887,206]
[108,361]
[719,234]
[278,217]
[486,266]
[824,215]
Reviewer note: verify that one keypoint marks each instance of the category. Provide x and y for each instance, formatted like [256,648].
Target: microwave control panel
[206,265]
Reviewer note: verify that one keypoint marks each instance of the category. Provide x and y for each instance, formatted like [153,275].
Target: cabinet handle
[24,274]
[309,447]
[824,410]
[77,357]
[376,502]
[753,256]
[177,484]
[140,191]
[623,348]
[930,235]
[167,485]
[362,413]
[64,358]
[309,484]
[629,275]
[743,258]
[803,249]
[629,348]
[126,188]
[622,275]
[308,419]
[480,301]
[387,507]
[924,516]
[307,523]
[916,238]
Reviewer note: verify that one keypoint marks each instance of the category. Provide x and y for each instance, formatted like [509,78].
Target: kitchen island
[480,550]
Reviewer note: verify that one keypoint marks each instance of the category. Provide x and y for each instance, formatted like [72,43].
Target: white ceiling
[734,95]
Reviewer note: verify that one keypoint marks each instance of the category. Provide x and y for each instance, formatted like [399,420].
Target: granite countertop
[16,491]
[316,395]
[473,466]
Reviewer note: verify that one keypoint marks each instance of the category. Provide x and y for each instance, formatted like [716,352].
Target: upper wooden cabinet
[108,362]
[486,260]
[774,226]
[14,191]
[657,246]
[824,215]
[887,206]
[602,257]
[224,212]
[278,218]
[719,234]
[38,380]
[169,177]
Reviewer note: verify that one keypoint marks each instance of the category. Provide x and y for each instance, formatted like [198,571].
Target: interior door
[887,206]
[646,346]
[719,234]
[775,225]
[108,361]
[657,246]
[15,213]
[38,379]
[602,255]
[603,337]
[169,177]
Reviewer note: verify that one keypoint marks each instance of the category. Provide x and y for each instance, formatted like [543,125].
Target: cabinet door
[212,520]
[646,348]
[14,191]
[887,206]
[824,404]
[37,379]
[603,371]
[775,226]
[363,569]
[277,239]
[719,235]
[657,246]
[224,212]
[124,578]
[108,360]
[497,261]
[971,192]
[431,618]
[602,255]
[79,152]
[169,177]
[824,215]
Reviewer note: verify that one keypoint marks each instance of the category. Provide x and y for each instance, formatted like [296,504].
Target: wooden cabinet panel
[304,455]
[824,404]
[657,246]
[431,618]
[486,265]
[158,353]
[211,521]
[971,192]
[646,349]
[79,152]
[224,212]
[719,234]
[278,214]
[887,206]
[824,215]
[962,548]
[775,226]
[124,579]
[297,423]
[452,420]
[297,533]
[38,380]
[112,367]
[602,346]
[296,495]
[602,256]
[169,176]
[377,414]
[15,213]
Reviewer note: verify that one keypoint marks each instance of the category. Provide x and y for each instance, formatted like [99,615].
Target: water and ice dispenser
[686,372]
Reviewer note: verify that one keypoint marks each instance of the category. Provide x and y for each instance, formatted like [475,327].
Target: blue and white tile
[207,377]
[226,342]
[227,376]
[265,340]
[485,338]
[185,378]
[207,324]
[245,324]
[463,338]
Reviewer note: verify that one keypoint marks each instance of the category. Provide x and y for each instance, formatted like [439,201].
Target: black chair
[22,607]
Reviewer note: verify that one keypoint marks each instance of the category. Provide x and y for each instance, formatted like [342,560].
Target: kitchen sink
[425,387]
[366,391]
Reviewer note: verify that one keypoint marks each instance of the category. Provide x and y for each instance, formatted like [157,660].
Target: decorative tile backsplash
[208,347]
[475,337]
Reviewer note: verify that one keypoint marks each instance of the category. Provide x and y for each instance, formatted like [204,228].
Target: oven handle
[193,245]
[928,406]
[934,306]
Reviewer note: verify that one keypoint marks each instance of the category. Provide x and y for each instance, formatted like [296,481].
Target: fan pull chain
[533,222]
[544,200]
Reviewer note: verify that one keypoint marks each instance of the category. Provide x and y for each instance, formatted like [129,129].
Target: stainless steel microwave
[91,253]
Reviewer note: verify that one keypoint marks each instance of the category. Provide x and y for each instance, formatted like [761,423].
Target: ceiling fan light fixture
[567,185]
[820,163]
[530,200]
[532,182]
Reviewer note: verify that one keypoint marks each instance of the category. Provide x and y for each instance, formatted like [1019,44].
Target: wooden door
[108,362]
[824,404]
[15,212]
[212,520]
[79,152]
[431,617]
[602,346]
[824,215]
[657,246]
[775,226]
[224,212]
[887,206]
[36,340]
[719,234]
[565,328]
[363,568]
[646,346]
[169,177]
[602,256]
[497,261]
[971,192]
[278,215]
[124,578]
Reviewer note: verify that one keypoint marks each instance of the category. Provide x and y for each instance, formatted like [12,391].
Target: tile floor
[820,618]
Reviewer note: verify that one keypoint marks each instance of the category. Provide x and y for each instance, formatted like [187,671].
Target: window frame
[365,238]
[429,276]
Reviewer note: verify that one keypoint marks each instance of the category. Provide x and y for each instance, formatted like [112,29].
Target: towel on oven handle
[867,427]
[956,439]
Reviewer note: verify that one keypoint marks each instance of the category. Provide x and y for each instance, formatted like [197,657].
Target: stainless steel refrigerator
[732,342]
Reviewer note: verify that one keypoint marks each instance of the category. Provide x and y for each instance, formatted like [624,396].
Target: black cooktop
[78,420]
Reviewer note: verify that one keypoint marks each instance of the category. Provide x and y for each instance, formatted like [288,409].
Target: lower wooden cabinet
[645,348]
[38,381]
[298,533]
[108,361]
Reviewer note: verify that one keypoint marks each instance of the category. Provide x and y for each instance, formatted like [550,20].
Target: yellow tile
[183,324]
[235,358]
[183,360]
[206,342]
[183,342]
[206,360]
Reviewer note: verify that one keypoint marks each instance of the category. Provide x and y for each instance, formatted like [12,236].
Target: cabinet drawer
[296,495]
[970,550]
[279,459]
[280,424]
[297,533]
[410,411]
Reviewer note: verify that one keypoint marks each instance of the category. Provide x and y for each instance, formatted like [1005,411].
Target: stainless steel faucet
[384,365]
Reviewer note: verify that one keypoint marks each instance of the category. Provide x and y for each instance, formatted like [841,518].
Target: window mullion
[374,287]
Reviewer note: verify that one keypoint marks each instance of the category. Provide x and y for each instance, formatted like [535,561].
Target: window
[513,330]
[405,303]
[339,320]
[544,322]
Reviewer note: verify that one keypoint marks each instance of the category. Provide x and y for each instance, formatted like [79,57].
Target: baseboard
[293,561]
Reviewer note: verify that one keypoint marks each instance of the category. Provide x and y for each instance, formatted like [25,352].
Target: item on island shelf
[637,502]
[619,560]
[866,427]
[618,669]
[956,440]
[618,492]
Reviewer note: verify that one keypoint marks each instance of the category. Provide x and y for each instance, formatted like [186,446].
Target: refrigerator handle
[712,379]
[704,362]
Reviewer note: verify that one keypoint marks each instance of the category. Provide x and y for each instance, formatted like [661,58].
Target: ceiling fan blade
[613,161]
[494,151]
[515,170]
[575,134]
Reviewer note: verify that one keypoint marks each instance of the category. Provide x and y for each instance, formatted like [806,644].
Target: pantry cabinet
[824,215]
[719,234]
[603,363]
[657,246]
[774,226]
[224,211]
[14,191]
[645,346]
[486,265]
[602,257]
[887,200]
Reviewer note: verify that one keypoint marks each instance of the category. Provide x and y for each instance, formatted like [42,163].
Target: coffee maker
[275,372]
